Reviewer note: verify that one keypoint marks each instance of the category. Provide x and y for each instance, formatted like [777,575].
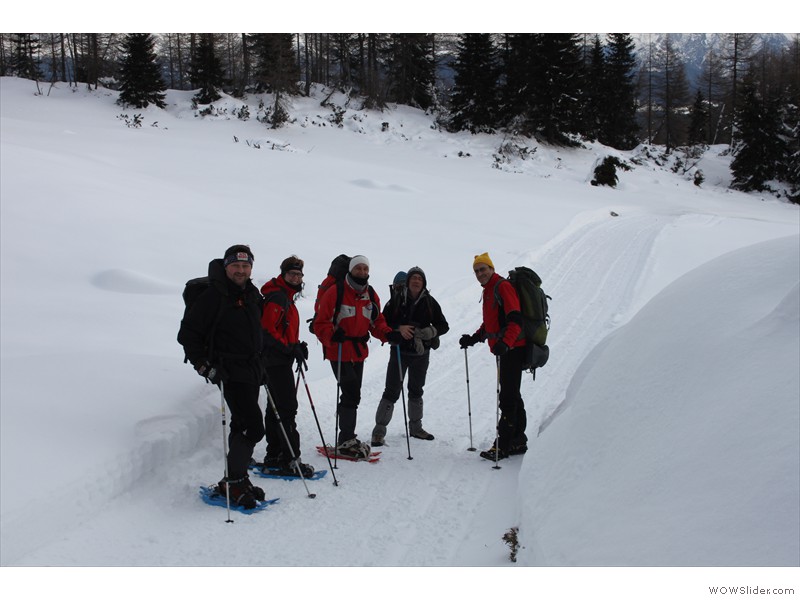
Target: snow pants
[280,383]
[350,390]
[247,425]
[416,365]
[513,419]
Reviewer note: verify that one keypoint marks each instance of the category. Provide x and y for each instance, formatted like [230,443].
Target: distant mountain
[693,48]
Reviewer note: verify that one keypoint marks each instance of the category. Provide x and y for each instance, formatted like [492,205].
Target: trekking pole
[225,452]
[469,403]
[295,460]
[300,369]
[497,419]
[403,394]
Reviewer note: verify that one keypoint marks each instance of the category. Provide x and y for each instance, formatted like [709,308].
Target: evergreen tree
[790,164]
[276,68]
[205,71]
[698,127]
[759,146]
[619,129]
[411,65]
[516,87]
[140,80]
[542,87]
[555,110]
[22,60]
[594,96]
[473,103]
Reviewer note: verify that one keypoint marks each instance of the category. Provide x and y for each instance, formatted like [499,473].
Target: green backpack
[535,318]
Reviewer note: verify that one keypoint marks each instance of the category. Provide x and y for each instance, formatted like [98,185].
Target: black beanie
[292,263]
[237,253]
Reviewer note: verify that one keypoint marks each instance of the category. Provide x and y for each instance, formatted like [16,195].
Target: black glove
[394,337]
[468,340]
[500,348]
[211,374]
[338,335]
[300,351]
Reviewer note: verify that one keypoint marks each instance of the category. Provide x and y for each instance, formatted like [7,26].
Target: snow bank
[678,444]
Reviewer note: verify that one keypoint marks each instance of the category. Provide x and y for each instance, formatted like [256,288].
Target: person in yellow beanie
[483,259]
[502,328]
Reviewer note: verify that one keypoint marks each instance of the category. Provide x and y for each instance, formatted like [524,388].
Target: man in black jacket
[221,335]
[418,317]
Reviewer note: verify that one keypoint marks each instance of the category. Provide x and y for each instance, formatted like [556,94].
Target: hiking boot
[306,470]
[378,440]
[240,492]
[518,449]
[257,492]
[353,449]
[494,454]
[288,469]
[421,434]
[271,462]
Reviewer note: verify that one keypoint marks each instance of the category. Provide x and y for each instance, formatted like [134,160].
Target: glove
[500,348]
[426,333]
[468,340]
[211,374]
[300,351]
[338,335]
[394,337]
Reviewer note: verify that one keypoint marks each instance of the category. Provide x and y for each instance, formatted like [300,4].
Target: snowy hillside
[668,415]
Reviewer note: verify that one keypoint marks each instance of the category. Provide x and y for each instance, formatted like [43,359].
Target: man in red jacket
[282,347]
[344,331]
[502,327]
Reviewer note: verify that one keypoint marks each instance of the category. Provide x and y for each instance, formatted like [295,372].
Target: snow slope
[663,348]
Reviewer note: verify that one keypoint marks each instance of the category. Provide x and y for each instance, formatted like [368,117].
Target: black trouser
[513,420]
[350,386]
[247,425]
[280,382]
[416,365]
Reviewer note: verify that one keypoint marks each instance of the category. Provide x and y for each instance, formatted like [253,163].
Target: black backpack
[191,292]
[535,317]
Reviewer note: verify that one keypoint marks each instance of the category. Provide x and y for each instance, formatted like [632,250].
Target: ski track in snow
[155,485]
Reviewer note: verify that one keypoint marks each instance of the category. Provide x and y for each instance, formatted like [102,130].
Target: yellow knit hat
[483,259]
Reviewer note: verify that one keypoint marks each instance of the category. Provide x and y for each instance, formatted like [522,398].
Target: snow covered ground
[668,415]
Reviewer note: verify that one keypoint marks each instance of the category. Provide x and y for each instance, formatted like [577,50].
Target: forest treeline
[558,88]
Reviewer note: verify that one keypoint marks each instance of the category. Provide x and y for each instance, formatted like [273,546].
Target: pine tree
[516,87]
[594,93]
[411,69]
[22,60]
[554,106]
[698,127]
[473,104]
[759,146]
[619,129]
[140,80]
[206,70]
[789,170]
[542,87]
[276,68]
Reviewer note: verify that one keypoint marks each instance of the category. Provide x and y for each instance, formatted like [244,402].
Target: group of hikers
[240,338]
